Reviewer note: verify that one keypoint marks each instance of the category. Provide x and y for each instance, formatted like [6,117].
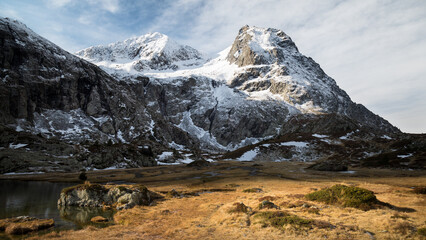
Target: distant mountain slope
[47,90]
[153,51]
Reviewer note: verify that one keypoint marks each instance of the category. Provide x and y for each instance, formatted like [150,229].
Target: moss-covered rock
[239,208]
[253,190]
[267,205]
[346,196]
[96,195]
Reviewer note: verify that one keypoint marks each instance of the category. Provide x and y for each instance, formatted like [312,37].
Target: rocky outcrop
[247,50]
[95,195]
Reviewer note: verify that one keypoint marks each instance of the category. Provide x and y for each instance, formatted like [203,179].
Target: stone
[95,195]
[98,219]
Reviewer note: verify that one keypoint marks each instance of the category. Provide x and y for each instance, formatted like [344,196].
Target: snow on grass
[16,146]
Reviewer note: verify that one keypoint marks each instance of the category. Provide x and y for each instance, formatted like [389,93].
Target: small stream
[39,199]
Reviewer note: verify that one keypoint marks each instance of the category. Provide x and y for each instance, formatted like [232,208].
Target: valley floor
[207,196]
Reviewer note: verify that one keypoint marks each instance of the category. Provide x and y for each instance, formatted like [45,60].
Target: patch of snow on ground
[405,155]
[176,146]
[296,144]
[16,146]
[186,160]
[165,155]
[188,125]
[19,129]
[120,136]
[249,155]
[386,137]
[346,137]
[163,163]
[319,135]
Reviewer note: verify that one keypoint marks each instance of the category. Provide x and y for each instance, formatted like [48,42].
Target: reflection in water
[39,199]
[81,215]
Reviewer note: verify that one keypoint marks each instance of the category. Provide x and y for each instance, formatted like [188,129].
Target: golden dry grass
[210,215]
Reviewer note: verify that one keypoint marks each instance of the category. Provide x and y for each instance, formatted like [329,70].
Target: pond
[39,199]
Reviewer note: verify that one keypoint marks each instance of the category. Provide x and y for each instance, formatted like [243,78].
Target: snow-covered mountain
[153,51]
[247,93]
[149,99]
[152,90]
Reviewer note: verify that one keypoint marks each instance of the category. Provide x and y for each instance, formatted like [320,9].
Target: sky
[374,49]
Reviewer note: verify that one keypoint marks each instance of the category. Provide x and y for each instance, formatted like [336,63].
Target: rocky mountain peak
[255,46]
[152,51]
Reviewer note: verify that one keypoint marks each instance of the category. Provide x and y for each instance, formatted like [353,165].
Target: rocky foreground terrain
[149,101]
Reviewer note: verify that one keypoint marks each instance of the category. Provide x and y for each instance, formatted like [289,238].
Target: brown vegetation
[221,210]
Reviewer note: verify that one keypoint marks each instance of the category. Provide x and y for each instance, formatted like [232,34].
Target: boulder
[96,195]
[98,219]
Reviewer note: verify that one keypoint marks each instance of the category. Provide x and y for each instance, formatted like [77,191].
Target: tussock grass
[253,190]
[346,196]
[85,186]
[239,208]
[280,219]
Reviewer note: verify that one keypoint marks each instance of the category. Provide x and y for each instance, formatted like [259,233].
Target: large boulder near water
[96,195]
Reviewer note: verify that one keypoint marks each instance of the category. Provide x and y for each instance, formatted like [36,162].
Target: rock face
[95,195]
[152,91]
[47,90]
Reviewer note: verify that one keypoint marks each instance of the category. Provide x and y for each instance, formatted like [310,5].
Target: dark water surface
[39,199]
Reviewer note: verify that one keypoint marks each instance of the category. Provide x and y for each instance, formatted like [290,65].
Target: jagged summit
[152,51]
[255,46]
[245,95]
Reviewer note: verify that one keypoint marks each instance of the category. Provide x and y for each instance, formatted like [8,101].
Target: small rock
[267,204]
[98,219]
